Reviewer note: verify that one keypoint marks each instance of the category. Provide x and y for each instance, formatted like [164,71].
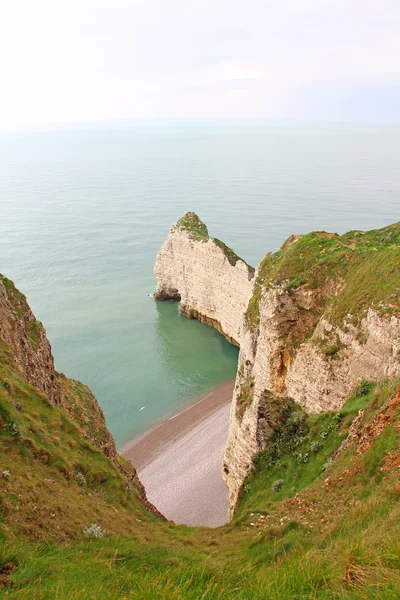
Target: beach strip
[145,448]
[180,462]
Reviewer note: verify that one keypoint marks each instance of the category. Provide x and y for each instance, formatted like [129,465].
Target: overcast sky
[65,61]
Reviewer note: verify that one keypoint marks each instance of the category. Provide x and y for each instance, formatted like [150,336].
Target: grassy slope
[43,451]
[364,265]
[334,539]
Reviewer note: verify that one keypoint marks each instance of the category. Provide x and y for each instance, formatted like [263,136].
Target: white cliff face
[320,383]
[316,380]
[260,387]
[198,272]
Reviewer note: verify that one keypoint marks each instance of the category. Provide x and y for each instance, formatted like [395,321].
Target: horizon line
[184,121]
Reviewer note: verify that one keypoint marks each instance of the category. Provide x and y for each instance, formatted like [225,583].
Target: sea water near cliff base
[83,213]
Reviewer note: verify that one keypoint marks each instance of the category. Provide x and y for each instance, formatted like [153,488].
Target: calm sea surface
[83,213]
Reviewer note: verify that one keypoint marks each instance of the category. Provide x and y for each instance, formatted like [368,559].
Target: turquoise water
[83,213]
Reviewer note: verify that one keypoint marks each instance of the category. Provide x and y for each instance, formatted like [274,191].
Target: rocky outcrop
[81,406]
[317,379]
[212,283]
[324,316]
[26,338]
[320,381]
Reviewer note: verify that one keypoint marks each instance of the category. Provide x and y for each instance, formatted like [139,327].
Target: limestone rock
[317,381]
[211,281]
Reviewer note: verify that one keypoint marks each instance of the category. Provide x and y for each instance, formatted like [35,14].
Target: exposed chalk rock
[211,281]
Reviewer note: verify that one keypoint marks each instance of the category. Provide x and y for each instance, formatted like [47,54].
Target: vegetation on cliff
[194,225]
[361,266]
[16,298]
[19,304]
[301,449]
[44,451]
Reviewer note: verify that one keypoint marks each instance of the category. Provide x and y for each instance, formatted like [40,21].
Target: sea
[83,212]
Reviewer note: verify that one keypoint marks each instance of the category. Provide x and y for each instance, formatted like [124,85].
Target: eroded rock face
[320,382]
[26,338]
[318,376]
[263,362]
[212,283]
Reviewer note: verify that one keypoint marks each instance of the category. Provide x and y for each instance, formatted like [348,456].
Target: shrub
[296,423]
[13,428]
[246,488]
[277,485]
[80,479]
[302,457]
[315,446]
[327,464]
[93,532]
[364,389]
[331,350]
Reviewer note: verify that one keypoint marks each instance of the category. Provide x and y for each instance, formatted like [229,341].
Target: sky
[72,61]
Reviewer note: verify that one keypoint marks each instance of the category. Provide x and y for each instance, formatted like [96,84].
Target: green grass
[34,329]
[229,252]
[16,298]
[18,303]
[194,225]
[363,266]
[82,407]
[308,540]
[44,450]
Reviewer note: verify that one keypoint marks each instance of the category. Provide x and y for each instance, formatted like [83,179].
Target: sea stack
[211,281]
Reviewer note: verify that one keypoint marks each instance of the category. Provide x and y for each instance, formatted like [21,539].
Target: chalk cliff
[322,315]
[319,374]
[211,281]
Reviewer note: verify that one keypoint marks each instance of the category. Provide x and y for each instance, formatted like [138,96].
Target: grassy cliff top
[364,265]
[194,225]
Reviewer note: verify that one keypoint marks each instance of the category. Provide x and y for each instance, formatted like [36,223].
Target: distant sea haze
[84,212]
